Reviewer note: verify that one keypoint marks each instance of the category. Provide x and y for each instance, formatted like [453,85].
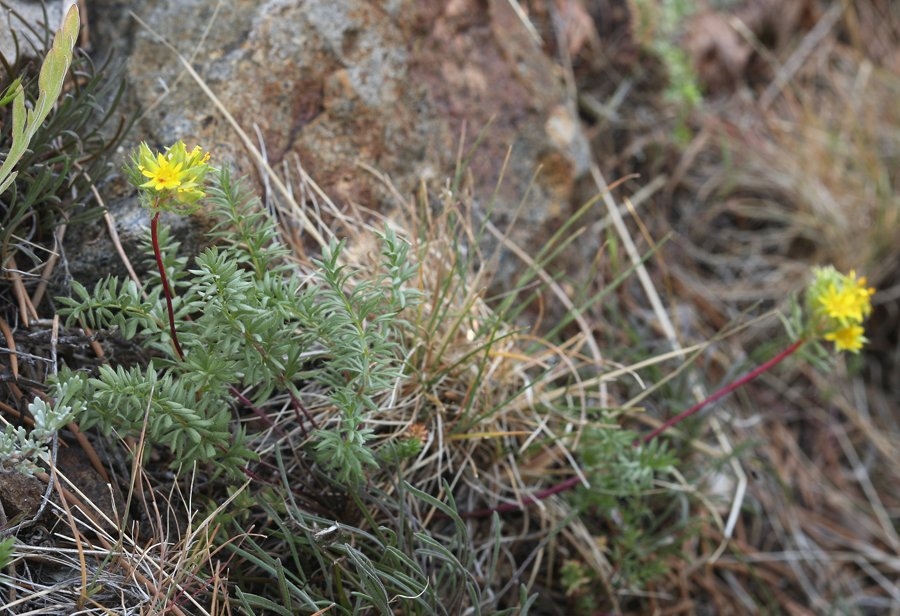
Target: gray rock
[335,83]
[26,22]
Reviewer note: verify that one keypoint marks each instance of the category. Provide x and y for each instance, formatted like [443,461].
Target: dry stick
[49,265]
[11,346]
[76,536]
[27,312]
[113,234]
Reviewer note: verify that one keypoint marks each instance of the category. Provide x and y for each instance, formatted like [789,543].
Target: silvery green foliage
[23,450]
[248,321]
[26,122]
[359,323]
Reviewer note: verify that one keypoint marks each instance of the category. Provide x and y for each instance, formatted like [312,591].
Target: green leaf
[6,550]
[50,83]
[19,140]
[250,601]
[55,67]
[11,91]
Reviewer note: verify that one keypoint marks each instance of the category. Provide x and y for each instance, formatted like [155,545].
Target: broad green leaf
[50,83]
[19,140]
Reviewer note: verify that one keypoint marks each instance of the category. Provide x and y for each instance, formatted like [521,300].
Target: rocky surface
[22,23]
[330,84]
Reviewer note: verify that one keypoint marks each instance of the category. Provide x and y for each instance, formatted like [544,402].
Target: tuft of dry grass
[90,563]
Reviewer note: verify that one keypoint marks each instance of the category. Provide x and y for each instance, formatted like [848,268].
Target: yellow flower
[838,304]
[841,305]
[176,176]
[849,338]
[163,174]
[845,299]
[861,294]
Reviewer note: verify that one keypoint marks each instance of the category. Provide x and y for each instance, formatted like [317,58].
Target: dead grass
[89,563]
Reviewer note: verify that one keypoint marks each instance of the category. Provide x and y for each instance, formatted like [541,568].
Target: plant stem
[571,482]
[154,237]
[720,393]
[528,499]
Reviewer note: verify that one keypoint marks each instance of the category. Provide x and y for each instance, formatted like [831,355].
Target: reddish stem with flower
[571,482]
[175,181]
[167,291]
[836,306]
[721,393]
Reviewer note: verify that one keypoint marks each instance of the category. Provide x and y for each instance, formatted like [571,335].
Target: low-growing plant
[230,335]
[25,450]
[251,362]
[363,435]
[238,326]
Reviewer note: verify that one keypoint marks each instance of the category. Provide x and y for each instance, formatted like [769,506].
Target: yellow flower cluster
[175,177]
[839,304]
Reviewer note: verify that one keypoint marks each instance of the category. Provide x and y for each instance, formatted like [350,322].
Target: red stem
[571,482]
[154,237]
[528,499]
[720,393]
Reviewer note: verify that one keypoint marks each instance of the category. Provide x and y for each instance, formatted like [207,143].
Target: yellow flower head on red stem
[173,179]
